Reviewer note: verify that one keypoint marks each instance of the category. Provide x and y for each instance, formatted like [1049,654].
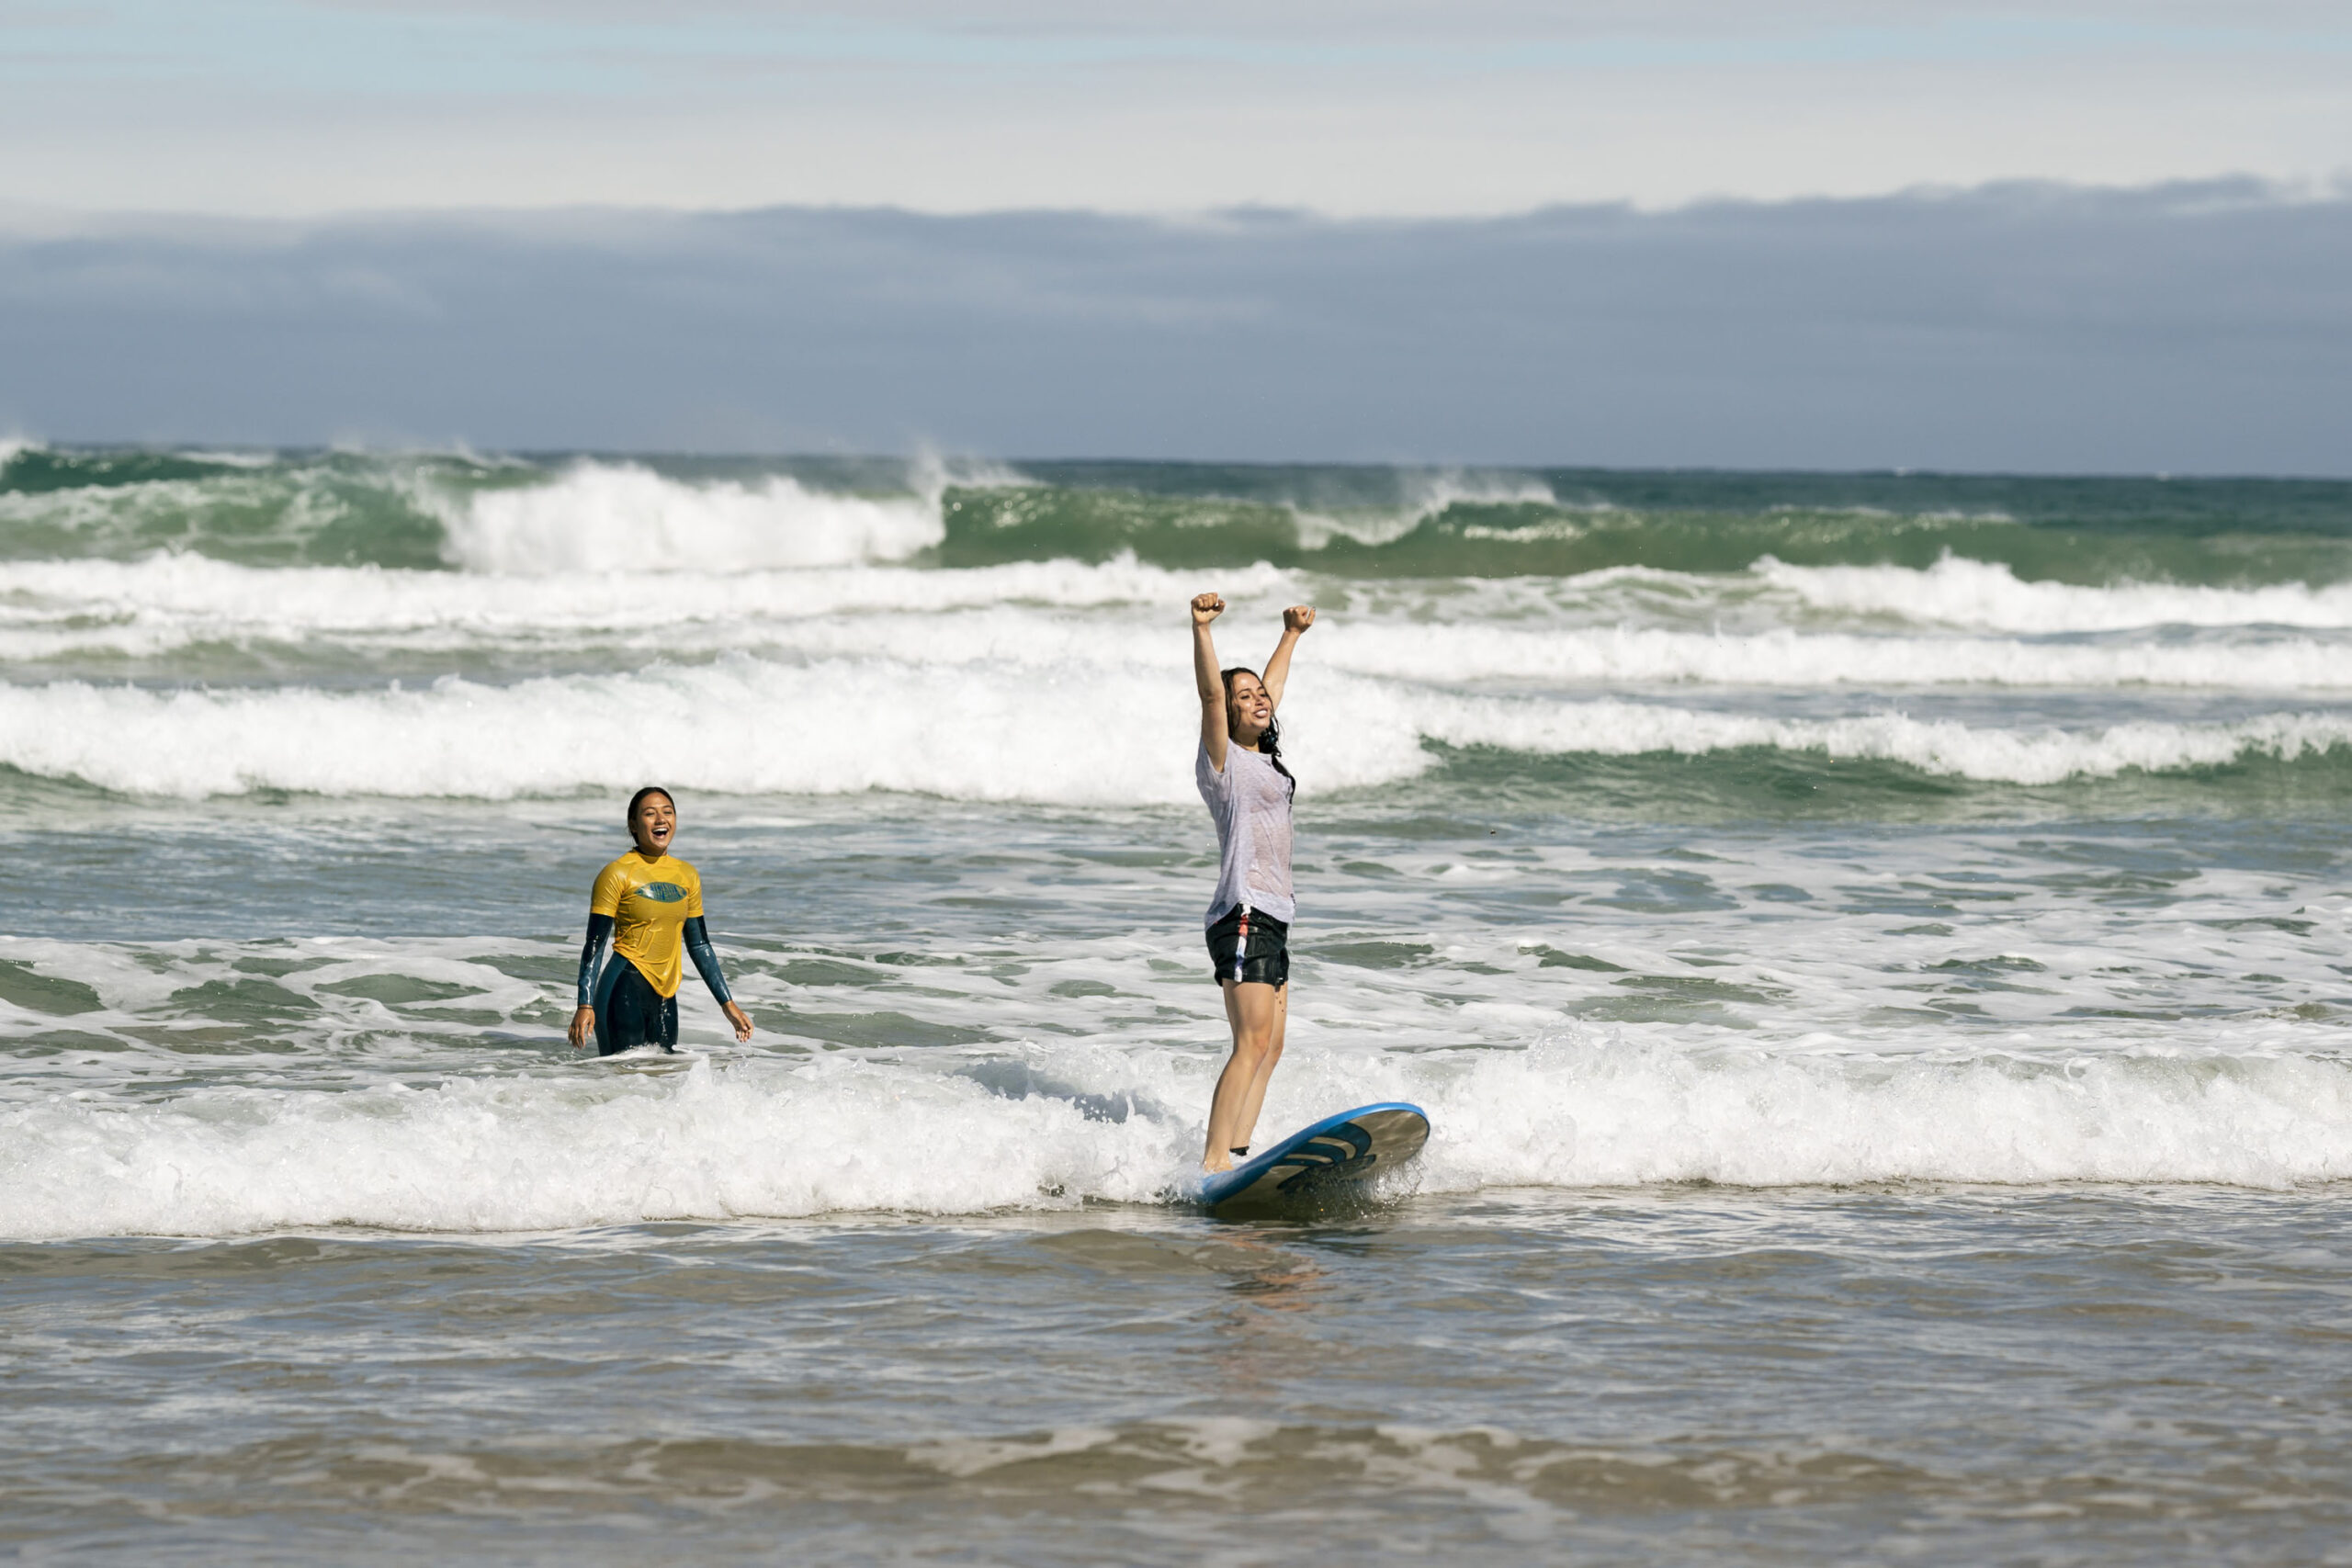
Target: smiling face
[653,824]
[1247,710]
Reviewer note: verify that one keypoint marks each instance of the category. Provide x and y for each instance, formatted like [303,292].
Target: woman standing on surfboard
[651,904]
[1249,793]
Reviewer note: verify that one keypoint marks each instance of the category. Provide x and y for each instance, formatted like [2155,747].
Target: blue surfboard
[1317,1164]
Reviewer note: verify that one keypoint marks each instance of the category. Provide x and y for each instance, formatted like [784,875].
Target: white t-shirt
[1251,804]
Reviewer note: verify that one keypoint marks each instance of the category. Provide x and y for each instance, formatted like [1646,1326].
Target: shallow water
[1884,1017]
[1969,1374]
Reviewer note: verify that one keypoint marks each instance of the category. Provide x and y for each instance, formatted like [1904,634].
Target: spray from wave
[604,517]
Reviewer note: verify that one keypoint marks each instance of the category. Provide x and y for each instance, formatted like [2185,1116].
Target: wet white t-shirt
[1251,804]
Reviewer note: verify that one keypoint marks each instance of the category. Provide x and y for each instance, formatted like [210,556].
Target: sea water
[1873,948]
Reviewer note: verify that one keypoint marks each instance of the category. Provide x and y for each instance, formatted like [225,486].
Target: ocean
[1873,949]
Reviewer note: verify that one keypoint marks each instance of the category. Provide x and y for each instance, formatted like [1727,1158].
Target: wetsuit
[652,911]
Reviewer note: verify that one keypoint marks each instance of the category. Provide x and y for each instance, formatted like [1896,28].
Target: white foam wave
[1790,658]
[625,518]
[501,1155]
[52,609]
[2045,755]
[966,730]
[757,1138]
[150,608]
[739,726]
[1989,596]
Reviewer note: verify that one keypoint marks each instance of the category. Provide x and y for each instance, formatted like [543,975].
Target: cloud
[2189,327]
[1479,106]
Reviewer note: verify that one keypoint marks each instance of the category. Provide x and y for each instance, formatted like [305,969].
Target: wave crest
[620,517]
[742,725]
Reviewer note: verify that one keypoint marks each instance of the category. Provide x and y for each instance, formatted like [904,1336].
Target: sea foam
[965,731]
[1022,612]
[1987,596]
[754,1137]
[166,602]
[624,517]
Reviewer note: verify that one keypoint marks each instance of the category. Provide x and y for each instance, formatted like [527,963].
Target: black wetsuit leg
[630,1012]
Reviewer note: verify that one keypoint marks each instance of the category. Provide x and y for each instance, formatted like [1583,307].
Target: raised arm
[1208,607]
[1295,620]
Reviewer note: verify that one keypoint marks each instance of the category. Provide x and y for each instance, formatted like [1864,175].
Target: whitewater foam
[1789,658]
[753,1137]
[1987,596]
[49,609]
[150,608]
[624,517]
[1947,747]
[964,730]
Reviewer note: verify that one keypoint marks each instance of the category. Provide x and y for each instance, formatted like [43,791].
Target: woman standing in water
[1249,793]
[650,906]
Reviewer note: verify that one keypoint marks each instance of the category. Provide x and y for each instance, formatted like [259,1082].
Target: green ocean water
[351,508]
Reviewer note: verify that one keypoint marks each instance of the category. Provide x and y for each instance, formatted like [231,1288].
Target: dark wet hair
[629,820]
[1270,743]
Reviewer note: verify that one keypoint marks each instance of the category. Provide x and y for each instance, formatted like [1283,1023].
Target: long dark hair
[629,818]
[1270,743]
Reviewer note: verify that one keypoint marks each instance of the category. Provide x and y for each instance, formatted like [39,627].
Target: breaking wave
[968,730]
[750,1137]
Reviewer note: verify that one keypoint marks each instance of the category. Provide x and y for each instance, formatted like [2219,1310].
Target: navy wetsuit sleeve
[706,959]
[599,927]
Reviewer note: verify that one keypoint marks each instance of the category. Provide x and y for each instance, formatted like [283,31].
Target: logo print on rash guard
[661,892]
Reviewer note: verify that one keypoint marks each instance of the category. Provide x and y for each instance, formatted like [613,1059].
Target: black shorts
[1252,946]
[630,1012]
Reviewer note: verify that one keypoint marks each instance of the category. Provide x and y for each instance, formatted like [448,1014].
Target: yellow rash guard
[650,902]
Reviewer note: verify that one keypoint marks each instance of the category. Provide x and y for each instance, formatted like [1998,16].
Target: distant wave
[153,608]
[1987,596]
[604,517]
[762,1137]
[522,517]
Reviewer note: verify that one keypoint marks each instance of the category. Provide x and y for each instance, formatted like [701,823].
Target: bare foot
[1216,1162]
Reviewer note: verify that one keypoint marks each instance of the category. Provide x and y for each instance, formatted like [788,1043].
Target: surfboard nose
[1321,1161]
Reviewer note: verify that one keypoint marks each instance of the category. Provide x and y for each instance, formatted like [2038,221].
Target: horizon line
[2245,189]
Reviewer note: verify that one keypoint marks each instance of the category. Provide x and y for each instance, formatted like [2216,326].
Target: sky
[1347,107]
[2099,235]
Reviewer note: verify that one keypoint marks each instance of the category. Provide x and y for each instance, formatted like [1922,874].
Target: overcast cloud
[2093,234]
[308,107]
[2190,329]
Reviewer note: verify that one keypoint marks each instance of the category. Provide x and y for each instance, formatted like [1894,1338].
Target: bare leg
[1255,1013]
[1247,1123]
